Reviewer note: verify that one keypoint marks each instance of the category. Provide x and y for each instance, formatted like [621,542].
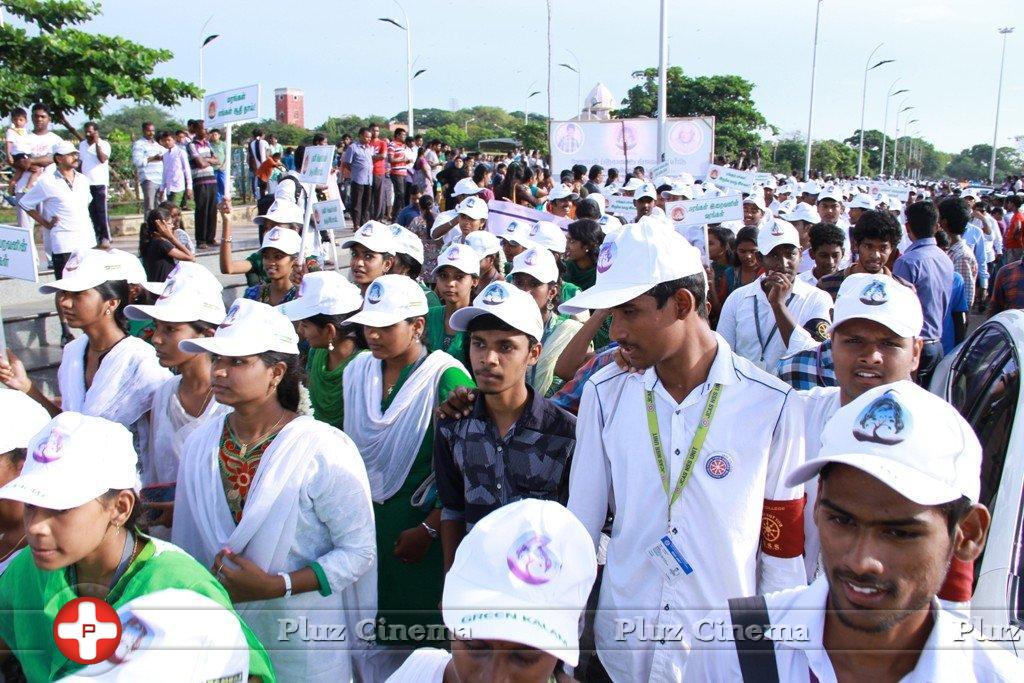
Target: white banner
[702,211]
[500,213]
[764,179]
[900,192]
[231,106]
[731,178]
[17,253]
[626,143]
[316,164]
[329,215]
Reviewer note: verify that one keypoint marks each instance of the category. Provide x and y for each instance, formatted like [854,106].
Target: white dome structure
[598,104]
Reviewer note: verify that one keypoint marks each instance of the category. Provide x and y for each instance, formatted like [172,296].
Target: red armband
[782,528]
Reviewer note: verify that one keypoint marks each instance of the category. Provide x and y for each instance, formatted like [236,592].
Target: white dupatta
[170,425]
[389,440]
[203,526]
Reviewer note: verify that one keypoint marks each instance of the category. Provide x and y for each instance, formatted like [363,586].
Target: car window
[979,361]
[992,419]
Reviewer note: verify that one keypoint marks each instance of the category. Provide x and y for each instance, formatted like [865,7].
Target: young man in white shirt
[95,156]
[698,511]
[898,500]
[758,319]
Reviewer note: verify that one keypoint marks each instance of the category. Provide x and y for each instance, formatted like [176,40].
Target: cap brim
[70,284]
[599,297]
[899,327]
[910,483]
[221,346]
[380,318]
[461,318]
[521,241]
[298,309]
[169,313]
[40,490]
[372,245]
[156,288]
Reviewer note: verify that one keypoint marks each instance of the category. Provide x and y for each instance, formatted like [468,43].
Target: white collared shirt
[953,652]
[748,323]
[54,198]
[142,150]
[820,404]
[756,437]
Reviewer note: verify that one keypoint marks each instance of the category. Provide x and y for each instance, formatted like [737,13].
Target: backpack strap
[755,651]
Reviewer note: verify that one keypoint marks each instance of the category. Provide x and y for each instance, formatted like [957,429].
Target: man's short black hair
[578,171]
[876,224]
[488,322]
[588,208]
[164,134]
[595,171]
[956,213]
[941,239]
[826,233]
[39,106]
[695,284]
[257,132]
[923,219]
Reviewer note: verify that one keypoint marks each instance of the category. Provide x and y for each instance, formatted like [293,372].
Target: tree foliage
[973,163]
[130,119]
[286,133]
[74,71]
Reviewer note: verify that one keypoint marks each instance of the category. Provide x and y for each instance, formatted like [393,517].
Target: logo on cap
[511,227]
[874,294]
[375,293]
[51,450]
[274,235]
[232,315]
[453,252]
[135,636]
[470,202]
[173,285]
[606,257]
[396,230]
[718,466]
[535,229]
[73,262]
[776,230]
[530,258]
[884,421]
[531,561]
[494,294]
[366,230]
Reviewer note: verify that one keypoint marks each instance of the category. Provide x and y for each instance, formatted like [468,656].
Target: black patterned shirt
[478,471]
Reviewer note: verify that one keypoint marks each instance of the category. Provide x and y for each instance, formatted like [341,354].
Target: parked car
[982,379]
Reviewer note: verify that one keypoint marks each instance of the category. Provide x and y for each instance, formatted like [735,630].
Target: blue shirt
[406,215]
[928,268]
[957,304]
[360,158]
[975,239]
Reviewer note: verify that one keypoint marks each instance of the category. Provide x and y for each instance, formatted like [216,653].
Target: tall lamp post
[578,69]
[999,97]
[407,27]
[202,46]
[863,100]
[896,134]
[810,108]
[885,120]
[895,168]
[468,121]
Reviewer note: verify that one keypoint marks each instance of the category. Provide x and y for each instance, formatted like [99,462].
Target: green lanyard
[695,445]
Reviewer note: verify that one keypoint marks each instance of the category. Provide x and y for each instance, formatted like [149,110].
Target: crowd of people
[578,447]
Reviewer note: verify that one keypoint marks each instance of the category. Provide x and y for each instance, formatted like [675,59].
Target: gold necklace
[245,446]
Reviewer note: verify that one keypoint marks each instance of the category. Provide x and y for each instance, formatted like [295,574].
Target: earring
[106,312]
[551,306]
[330,345]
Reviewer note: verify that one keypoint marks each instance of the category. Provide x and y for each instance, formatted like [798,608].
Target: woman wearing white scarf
[389,396]
[104,373]
[277,504]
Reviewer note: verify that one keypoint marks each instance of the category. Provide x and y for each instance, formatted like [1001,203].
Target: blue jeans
[219,175]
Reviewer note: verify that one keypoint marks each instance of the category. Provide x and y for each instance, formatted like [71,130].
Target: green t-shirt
[584,278]
[325,387]
[258,274]
[30,599]
[438,339]
[432,298]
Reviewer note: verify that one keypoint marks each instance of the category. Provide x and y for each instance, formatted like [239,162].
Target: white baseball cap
[390,299]
[192,294]
[283,239]
[324,292]
[882,299]
[646,190]
[282,211]
[562,191]
[833,193]
[810,187]
[774,232]
[473,207]
[906,437]
[633,184]
[173,635]
[509,303]
[461,257]
[130,265]
[250,327]
[73,459]
[375,236]
[641,256]
[598,199]
[678,190]
[84,270]
[483,242]
[466,186]
[23,418]
[548,235]
[523,574]
[408,243]
[801,211]
[516,232]
[756,197]
[539,263]
[64,147]
[610,225]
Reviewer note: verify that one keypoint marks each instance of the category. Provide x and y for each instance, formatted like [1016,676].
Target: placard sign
[231,106]
[702,211]
[317,164]
[329,215]
[731,178]
[500,213]
[17,253]
[622,207]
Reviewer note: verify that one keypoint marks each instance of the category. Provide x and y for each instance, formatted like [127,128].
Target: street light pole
[662,79]
[999,97]
[885,121]
[467,125]
[407,27]
[810,108]
[863,101]
[896,135]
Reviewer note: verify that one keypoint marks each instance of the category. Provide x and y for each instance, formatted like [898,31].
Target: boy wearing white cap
[711,513]
[276,504]
[514,241]
[456,274]
[754,208]
[80,490]
[776,303]
[532,559]
[898,500]
[515,443]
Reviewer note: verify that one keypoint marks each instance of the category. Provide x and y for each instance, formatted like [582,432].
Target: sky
[487,52]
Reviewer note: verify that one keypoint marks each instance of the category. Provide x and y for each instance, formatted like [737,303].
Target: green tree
[452,133]
[727,98]
[74,71]
[784,156]
[336,126]
[533,135]
[130,119]
[833,157]
[286,133]
[973,163]
[872,150]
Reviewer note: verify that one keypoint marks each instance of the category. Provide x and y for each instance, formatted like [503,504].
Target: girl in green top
[79,487]
[584,241]
[390,395]
[458,268]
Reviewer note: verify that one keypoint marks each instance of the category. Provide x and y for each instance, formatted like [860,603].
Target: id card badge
[667,558]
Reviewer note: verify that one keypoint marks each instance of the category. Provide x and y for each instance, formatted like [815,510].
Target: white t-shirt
[53,197]
[98,173]
[40,145]
[16,136]
[425,665]
[808,277]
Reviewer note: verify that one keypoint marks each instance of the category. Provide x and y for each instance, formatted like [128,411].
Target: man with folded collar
[899,482]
